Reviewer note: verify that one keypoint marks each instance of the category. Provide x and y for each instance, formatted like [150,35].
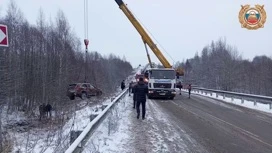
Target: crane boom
[148,57]
[143,33]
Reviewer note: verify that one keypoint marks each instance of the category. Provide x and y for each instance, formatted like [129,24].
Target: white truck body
[161,83]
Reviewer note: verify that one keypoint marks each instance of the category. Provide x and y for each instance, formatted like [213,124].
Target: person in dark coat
[123,85]
[179,85]
[48,109]
[189,89]
[134,96]
[141,90]
[130,87]
[42,110]
[45,110]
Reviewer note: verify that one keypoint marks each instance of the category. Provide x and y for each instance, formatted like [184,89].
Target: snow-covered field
[55,137]
[246,103]
[52,138]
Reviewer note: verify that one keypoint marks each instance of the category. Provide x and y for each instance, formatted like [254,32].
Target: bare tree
[221,67]
[43,59]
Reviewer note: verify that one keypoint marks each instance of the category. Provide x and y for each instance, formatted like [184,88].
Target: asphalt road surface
[213,126]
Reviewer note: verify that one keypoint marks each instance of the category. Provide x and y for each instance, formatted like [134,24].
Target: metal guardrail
[255,98]
[90,126]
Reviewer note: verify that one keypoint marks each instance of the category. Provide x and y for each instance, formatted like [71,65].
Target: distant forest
[220,66]
[42,59]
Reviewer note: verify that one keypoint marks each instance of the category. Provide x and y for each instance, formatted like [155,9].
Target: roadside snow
[55,139]
[122,132]
[246,103]
[113,133]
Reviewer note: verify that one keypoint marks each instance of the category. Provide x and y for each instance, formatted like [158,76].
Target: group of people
[45,110]
[140,91]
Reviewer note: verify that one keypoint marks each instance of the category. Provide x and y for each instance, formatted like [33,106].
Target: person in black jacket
[134,96]
[140,90]
[179,85]
[130,88]
[189,89]
[123,85]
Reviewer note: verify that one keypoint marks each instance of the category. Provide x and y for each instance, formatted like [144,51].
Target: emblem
[252,18]
[162,86]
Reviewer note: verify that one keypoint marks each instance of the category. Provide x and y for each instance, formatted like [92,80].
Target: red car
[82,90]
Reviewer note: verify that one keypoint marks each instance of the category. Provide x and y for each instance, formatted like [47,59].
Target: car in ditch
[82,90]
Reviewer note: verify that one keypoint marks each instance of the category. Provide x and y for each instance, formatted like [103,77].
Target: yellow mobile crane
[162,82]
[146,38]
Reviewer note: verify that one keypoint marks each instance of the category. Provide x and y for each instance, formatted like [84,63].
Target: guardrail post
[74,135]
[103,107]
[216,95]
[211,93]
[206,93]
[93,116]
[270,106]
[224,96]
[242,100]
[197,91]
[232,98]
[255,102]
[201,91]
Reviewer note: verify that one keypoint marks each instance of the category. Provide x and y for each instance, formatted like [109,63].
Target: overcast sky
[181,27]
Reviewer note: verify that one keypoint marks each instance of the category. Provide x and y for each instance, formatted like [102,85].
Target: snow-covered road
[123,132]
[197,125]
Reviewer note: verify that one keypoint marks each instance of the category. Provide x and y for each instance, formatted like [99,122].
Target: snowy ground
[121,131]
[56,136]
[159,132]
[246,103]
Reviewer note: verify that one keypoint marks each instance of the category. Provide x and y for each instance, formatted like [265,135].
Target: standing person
[134,96]
[130,87]
[48,109]
[123,85]
[141,90]
[189,89]
[179,85]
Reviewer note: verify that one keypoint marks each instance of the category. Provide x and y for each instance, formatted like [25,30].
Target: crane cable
[86,19]
[151,34]
[86,35]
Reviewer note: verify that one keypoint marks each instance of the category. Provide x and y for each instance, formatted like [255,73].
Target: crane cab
[162,83]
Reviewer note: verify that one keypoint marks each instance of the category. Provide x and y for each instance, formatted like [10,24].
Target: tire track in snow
[139,137]
[179,139]
[148,136]
[158,133]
